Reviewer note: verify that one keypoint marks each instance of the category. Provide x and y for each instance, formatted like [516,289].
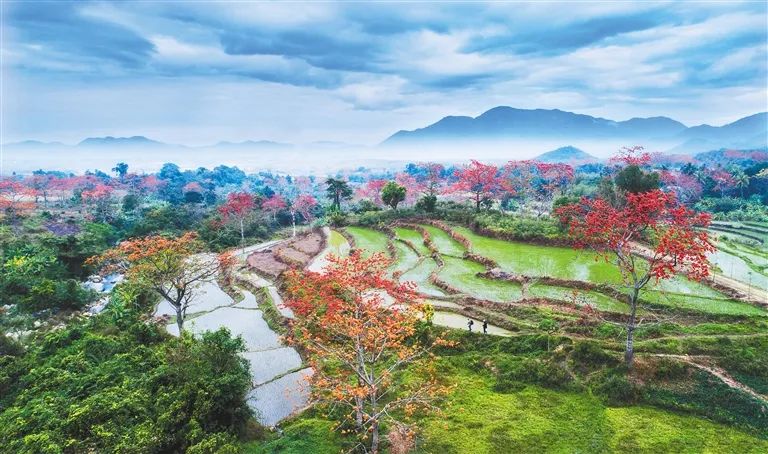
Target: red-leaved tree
[303,205]
[238,207]
[359,328]
[480,180]
[651,237]
[273,205]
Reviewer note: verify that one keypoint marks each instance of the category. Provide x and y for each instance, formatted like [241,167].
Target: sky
[196,73]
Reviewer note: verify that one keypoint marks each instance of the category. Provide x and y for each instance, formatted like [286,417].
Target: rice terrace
[383,227]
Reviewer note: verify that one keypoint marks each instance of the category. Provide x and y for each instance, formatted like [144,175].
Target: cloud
[414,63]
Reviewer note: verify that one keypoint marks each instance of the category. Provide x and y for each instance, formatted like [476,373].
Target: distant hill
[253,144]
[566,155]
[507,122]
[109,141]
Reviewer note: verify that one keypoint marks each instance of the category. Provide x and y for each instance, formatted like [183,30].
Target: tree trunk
[477,202]
[375,437]
[180,318]
[242,235]
[293,222]
[629,352]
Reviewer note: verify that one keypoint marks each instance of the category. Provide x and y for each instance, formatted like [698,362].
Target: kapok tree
[238,207]
[273,205]
[303,205]
[15,198]
[652,236]
[359,328]
[172,267]
[480,180]
[98,200]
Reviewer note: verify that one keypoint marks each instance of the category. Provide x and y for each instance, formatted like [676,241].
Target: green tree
[392,194]
[121,169]
[634,180]
[337,191]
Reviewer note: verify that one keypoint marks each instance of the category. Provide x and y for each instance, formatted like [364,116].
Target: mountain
[567,154]
[109,141]
[34,145]
[509,123]
[253,144]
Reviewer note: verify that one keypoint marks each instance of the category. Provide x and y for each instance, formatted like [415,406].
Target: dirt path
[719,373]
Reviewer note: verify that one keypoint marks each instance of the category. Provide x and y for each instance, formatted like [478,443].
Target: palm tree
[741,181]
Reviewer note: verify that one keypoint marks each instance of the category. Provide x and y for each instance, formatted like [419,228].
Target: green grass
[369,240]
[443,242]
[301,436]
[337,243]
[702,304]
[534,419]
[596,299]
[414,237]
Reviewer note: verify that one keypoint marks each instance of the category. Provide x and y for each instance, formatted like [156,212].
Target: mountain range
[499,124]
[505,122]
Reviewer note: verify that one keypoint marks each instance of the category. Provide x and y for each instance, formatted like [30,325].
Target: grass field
[536,419]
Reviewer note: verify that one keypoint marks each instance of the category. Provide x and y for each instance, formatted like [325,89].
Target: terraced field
[369,240]
[536,261]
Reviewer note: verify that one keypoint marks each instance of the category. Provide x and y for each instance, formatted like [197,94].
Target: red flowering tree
[15,198]
[479,180]
[359,328]
[671,231]
[238,207]
[632,156]
[172,267]
[303,205]
[273,205]
[98,200]
[371,191]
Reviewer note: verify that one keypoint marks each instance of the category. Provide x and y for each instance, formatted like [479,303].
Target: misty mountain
[566,155]
[507,123]
[253,144]
[109,141]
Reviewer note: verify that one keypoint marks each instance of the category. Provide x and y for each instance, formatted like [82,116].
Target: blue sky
[197,72]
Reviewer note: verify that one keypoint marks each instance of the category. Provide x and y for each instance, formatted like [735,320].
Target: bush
[616,389]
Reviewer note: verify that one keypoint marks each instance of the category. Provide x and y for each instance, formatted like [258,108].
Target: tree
[371,191]
[303,205]
[273,205]
[15,198]
[121,169]
[671,231]
[98,199]
[741,181]
[634,180]
[392,194]
[238,207]
[172,267]
[359,328]
[337,191]
[480,180]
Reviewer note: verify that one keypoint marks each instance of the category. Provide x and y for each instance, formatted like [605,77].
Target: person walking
[485,326]
[469,324]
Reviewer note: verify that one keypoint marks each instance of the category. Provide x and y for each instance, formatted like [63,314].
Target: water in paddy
[414,237]
[337,245]
[280,398]
[406,258]
[458,321]
[742,264]
[441,303]
[461,274]
[420,275]
[443,241]
[565,263]
[369,240]
[208,297]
